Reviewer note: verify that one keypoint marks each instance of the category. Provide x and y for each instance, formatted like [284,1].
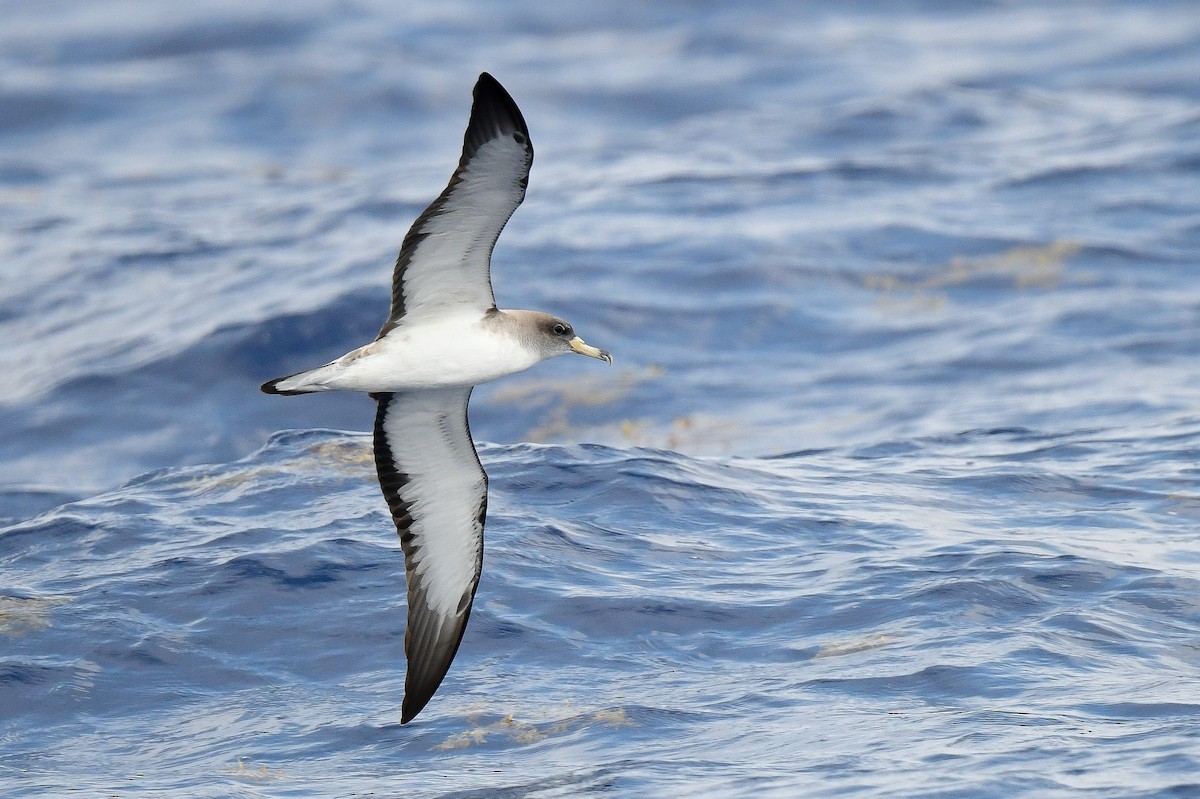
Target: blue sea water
[892,491]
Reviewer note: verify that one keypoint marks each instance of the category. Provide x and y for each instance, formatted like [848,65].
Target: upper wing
[437,492]
[445,260]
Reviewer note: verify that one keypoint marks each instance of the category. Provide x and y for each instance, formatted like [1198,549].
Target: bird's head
[556,336]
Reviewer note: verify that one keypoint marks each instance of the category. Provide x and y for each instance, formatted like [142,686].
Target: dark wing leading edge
[437,492]
[445,260]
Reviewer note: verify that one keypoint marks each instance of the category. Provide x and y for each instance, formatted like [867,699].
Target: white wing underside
[437,492]
[445,261]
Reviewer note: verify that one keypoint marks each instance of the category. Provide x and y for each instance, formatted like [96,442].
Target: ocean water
[891,492]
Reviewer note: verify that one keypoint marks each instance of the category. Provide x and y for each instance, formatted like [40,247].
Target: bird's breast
[433,356]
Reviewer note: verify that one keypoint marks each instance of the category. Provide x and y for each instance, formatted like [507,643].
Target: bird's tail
[305,382]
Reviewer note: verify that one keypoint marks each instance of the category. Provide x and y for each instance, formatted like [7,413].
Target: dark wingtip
[429,652]
[412,707]
[419,689]
[493,113]
[426,671]
[487,84]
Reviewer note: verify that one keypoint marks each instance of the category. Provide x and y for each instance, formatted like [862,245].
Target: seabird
[444,336]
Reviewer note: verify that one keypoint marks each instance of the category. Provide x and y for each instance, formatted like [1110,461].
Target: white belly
[452,352]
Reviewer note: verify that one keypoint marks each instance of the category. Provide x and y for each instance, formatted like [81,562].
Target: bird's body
[457,350]
[444,336]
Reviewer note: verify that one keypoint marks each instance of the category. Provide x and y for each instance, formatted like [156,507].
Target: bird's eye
[561,330]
